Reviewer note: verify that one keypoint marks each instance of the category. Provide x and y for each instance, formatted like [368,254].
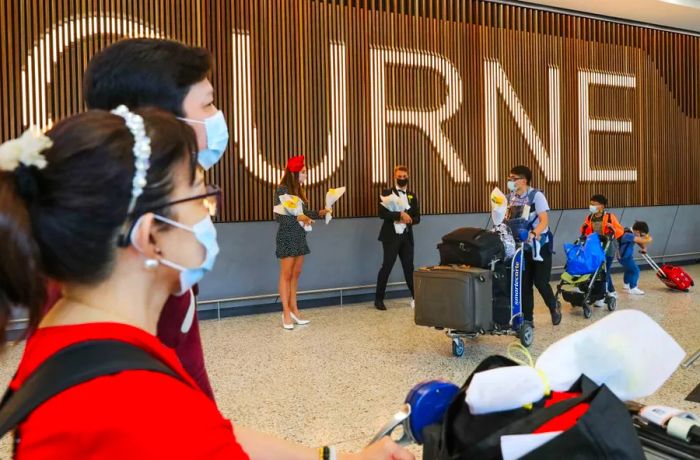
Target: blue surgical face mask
[217,139]
[511,185]
[205,233]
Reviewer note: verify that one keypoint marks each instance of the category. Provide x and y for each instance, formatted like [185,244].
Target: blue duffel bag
[585,257]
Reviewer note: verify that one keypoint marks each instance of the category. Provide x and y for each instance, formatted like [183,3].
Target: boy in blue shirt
[638,234]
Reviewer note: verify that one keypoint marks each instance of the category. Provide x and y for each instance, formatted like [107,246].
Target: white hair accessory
[142,152]
[25,150]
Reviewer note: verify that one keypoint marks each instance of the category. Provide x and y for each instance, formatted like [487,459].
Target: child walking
[639,235]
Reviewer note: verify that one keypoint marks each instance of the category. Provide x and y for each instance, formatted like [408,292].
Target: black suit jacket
[387,232]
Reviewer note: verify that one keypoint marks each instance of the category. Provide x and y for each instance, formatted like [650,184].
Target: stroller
[583,282]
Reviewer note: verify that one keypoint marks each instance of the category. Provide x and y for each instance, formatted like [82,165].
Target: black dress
[291,236]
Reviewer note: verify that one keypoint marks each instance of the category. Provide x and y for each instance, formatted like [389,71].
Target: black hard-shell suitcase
[471,246]
[458,298]
[502,309]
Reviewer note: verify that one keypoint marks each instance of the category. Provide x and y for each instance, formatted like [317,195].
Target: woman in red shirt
[111,205]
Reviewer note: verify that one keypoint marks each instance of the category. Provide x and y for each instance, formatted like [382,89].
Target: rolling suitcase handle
[653,265]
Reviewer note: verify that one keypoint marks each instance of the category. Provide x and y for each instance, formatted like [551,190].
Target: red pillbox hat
[296,164]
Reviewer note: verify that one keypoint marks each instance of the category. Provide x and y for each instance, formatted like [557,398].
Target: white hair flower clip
[26,150]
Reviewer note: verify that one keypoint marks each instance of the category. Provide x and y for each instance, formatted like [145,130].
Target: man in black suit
[393,243]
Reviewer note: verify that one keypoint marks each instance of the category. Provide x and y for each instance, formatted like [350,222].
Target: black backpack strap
[72,366]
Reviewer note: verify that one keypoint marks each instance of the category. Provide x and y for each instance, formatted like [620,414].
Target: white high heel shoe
[300,322]
[288,327]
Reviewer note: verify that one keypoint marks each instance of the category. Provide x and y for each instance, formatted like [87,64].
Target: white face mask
[217,138]
[302,178]
[593,209]
[205,233]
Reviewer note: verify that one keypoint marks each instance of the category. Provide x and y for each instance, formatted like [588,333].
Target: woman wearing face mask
[113,207]
[291,240]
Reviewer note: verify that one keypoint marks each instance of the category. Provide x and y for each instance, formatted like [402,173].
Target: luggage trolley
[471,308]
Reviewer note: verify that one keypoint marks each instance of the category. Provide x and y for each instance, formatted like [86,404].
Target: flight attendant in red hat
[291,240]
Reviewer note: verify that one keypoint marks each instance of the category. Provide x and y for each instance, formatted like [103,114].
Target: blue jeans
[608,275]
[631,271]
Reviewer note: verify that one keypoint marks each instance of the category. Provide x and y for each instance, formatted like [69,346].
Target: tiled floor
[339,379]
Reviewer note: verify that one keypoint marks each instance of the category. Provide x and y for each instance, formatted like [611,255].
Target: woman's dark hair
[641,227]
[294,187]
[600,199]
[144,72]
[522,171]
[62,221]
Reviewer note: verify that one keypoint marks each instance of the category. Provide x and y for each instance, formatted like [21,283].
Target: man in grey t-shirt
[522,200]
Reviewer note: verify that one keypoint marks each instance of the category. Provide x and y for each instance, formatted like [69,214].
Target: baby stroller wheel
[587,311]
[526,334]
[612,303]
[458,347]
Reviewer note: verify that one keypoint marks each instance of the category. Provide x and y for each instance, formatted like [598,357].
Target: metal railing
[275,296]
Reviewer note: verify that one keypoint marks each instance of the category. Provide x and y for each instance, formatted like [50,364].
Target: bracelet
[327,453]
[324,453]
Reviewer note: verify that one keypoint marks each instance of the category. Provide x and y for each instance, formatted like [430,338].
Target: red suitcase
[672,276]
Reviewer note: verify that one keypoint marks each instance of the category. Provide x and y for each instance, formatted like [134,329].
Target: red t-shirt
[187,344]
[132,414]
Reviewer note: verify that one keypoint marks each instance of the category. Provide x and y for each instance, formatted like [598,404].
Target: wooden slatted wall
[357,86]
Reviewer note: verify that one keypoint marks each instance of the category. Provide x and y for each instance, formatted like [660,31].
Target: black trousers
[537,274]
[402,247]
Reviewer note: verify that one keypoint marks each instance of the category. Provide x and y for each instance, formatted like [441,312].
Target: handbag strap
[72,366]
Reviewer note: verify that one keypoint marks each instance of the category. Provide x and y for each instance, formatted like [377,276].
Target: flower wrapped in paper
[291,205]
[332,196]
[499,205]
[395,203]
[633,362]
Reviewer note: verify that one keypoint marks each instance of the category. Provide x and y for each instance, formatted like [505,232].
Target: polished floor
[339,379]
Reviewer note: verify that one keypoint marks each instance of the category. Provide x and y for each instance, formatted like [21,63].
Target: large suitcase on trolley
[458,298]
[471,246]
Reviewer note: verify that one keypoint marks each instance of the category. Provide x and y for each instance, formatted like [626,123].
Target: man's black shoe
[556,314]
[379,305]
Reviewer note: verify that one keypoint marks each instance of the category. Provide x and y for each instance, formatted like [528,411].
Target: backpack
[516,224]
[607,219]
[72,366]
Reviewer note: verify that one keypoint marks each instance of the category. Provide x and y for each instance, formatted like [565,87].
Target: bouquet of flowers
[291,205]
[332,196]
[395,203]
[499,205]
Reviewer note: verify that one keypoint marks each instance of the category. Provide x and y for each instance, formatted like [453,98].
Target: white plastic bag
[626,350]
